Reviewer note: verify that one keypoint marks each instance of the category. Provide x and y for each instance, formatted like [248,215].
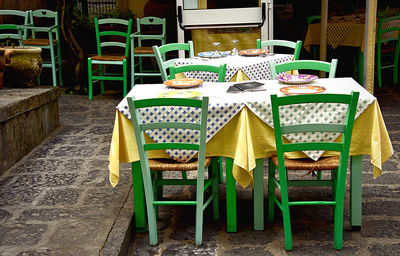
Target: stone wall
[27,116]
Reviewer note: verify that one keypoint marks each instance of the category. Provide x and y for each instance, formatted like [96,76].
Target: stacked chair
[161,53]
[108,38]
[296,46]
[388,47]
[47,38]
[140,50]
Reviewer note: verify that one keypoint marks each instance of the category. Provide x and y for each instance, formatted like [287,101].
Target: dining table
[240,128]
[239,67]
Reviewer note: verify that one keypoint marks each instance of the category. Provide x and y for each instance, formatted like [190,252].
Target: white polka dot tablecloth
[256,68]
[224,106]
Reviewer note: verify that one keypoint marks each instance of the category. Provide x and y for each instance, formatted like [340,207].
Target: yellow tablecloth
[339,33]
[246,138]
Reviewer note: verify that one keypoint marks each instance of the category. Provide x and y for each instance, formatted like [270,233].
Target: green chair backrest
[388,30]
[345,129]
[220,70]
[282,43]
[304,64]
[14,31]
[162,51]
[51,18]
[197,125]
[313,19]
[150,23]
[112,37]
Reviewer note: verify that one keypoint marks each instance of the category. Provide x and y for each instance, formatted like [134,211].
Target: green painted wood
[271,190]
[304,65]
[107,39]
[220,70]
[258,195]
[339,181]
[231,225]
[15,31]
[139,201]
[139,39]
[50,32]
[296,46]
[163,50]
[356,192]
[148,178]
[387,46]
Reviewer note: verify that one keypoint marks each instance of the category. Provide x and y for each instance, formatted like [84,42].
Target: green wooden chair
[11,28]
[304,65]
[388,47]
[139,41]
[159,165]
[108,38]
[47,38]
[310,20]
[162,51]
[282,43]
[220,70]
[337,165]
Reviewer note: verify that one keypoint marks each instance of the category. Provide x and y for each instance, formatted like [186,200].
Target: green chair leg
[258,195]
[271,190]
[215,173]
[138,193]
[221,169]
[90,78]
[230,197]
[125,78]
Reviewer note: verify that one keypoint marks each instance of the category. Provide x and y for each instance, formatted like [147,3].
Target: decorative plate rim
[297,81]
[208,54]
[188,94]
[195,82]
[318,89]
[253,52]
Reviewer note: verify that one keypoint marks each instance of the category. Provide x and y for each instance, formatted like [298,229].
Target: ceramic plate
[253,52]
[210,54]
[190,94]
[296,79]
[302,89]
[181,83]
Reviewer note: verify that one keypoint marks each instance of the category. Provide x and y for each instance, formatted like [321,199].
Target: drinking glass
[216,53]
[234,51]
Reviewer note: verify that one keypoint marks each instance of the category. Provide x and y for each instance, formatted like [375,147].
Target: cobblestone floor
[58,201]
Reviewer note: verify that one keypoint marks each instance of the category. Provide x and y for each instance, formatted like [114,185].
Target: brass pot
[22,65]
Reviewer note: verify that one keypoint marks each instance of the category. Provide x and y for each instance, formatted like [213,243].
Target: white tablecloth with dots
[255,68]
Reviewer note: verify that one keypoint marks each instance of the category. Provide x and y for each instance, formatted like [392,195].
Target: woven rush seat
[38,41]
[109,57]
[326,163]
[171,165]
[143,50]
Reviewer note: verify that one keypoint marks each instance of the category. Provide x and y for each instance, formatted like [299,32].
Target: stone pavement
[57,201]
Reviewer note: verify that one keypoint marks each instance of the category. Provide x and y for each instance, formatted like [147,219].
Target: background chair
[11,28]
[162,51]
[338,165]
[144,38]
[167,165]
[48,38]
[305,65]
[107,41]
[282,43]
[220,70]
[311,20]
[388,47]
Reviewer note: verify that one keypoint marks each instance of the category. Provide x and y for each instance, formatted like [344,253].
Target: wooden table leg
[356,192]
[138,195]
[231,225]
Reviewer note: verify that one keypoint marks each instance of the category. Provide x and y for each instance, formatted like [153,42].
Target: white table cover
[224,106]
[256,68]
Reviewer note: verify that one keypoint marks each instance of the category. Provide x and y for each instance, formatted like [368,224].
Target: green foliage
[125,14]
